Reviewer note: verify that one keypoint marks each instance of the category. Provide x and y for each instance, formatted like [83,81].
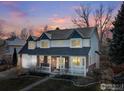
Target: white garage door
[29,61]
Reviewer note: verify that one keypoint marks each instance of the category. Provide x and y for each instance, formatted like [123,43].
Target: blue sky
[35,14]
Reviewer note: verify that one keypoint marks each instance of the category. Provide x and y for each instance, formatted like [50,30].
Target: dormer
[43,40]
[31,43]
[75,40]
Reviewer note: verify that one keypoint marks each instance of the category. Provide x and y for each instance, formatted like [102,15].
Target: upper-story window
[44,44]
[31,44]
[75,43]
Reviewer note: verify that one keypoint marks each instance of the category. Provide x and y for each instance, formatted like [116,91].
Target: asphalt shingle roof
[64,34]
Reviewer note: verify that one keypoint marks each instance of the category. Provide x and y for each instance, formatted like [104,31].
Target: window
[41,59]
[31,44]
[76,61]
[44,44]
[75,43]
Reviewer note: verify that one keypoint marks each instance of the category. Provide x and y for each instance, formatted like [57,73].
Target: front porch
[61,65]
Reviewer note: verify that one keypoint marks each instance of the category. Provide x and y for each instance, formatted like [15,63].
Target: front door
[58,63]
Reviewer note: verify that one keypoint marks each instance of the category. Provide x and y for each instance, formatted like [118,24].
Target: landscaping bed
[77,79]
[38,74]
[62,85]
[16,83]
[3,68]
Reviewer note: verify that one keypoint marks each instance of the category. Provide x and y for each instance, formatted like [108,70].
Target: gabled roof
[75,34]
[66,33]
[16,41]
[45,36]
[32,38]
[60,34]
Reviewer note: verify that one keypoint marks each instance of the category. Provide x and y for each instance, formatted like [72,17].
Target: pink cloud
[2,22]
[59,20]
[18,14]
[39,29]
[15,12]
[7,27]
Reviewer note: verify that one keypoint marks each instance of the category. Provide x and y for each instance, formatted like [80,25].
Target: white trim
[78,69]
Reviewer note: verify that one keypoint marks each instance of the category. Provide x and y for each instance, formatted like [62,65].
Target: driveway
[10,73]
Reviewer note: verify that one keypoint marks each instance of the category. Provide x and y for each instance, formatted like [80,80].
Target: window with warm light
[41,58]
[76,61]
[31,45]
[44,44]
[76,43]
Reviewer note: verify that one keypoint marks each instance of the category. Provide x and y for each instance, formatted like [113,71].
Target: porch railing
[76,71]
[41,69]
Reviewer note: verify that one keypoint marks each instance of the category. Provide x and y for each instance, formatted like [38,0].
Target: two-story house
[68,51]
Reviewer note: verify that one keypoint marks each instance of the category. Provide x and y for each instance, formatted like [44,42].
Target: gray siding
[93,57]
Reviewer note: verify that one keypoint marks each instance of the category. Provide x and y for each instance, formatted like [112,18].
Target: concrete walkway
[37,83]
[10,73]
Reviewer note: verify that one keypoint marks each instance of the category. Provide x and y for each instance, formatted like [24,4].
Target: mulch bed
[79,80]
[38,74]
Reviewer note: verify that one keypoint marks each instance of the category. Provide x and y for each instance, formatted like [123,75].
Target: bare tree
[24,34]
[12,35]
[30,32]
[45,28]
[102,17]
[83,14]
[1,32]
[103,20]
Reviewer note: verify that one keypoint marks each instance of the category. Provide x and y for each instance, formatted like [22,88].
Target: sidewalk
[37,83]
[10,73]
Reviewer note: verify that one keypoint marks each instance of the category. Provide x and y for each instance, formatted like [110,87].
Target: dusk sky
[36,14]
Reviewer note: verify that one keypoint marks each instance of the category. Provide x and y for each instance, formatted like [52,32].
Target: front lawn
[17,83]
[62,85]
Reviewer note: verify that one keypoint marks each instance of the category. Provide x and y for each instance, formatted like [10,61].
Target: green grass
[61,85]
[16,84]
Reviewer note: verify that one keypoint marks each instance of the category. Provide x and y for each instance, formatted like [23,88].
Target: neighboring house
[2,49]
[2,42]
[12,43]
[68,51]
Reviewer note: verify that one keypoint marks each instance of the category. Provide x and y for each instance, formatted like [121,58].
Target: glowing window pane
[31,45]
[75,43]
[44,44]
[76,61]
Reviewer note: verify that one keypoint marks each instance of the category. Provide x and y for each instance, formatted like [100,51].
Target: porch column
[85,70]
[60,62]
[19,64]
[20,61]
[67,62]
[45,59]
[38,60]
[49,63]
